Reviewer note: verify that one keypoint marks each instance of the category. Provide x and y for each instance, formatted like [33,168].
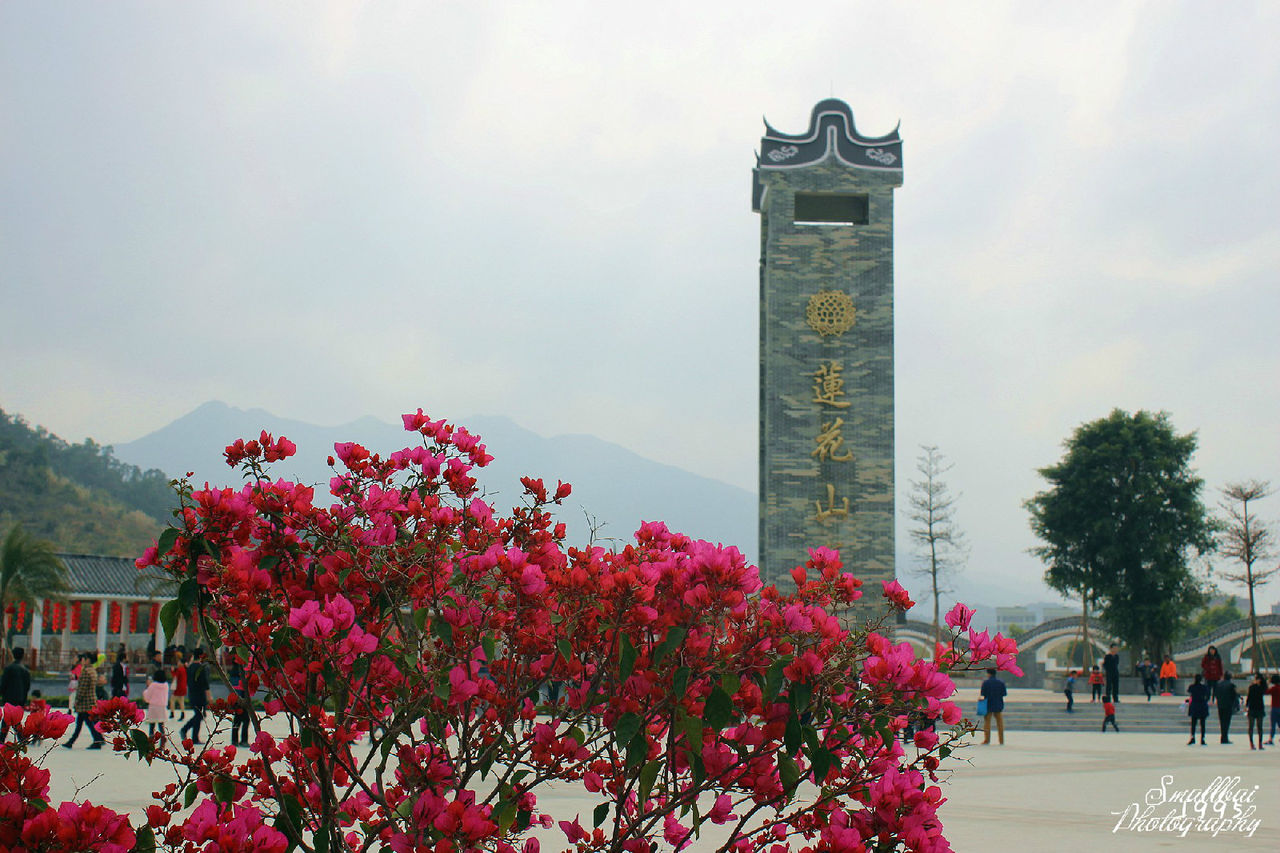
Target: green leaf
[490,648]
[944,751]
[730,681]
[505,815]
[577,734]
[165,545]
[189,796]
[188,593]
[693,733]
[626,658]
[442,629]
[718,711]
[792,735]
[821,762]
[145,840]
[597,817]
[420,617]
[566,650]
[523,818]
[637,751]
[773,680]
[224,790]
[699,770]
[675,636]
[269,562]
[170,613]
[626,729]
[799,696]
[790,773]
[141,742]
[811,739]
[648,776]
[680,682]
[320,841]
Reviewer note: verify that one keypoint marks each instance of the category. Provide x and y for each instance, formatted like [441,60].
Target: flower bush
[438,664]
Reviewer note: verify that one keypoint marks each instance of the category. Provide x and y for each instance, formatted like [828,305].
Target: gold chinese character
[829,442]
[824,514]
[828,386]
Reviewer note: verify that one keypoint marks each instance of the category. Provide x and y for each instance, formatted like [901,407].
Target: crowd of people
[1211,688]
[174,680]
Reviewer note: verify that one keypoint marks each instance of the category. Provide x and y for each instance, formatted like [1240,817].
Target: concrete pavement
[1041,791]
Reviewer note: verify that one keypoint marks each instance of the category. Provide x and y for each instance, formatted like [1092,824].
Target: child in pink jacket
[157,698]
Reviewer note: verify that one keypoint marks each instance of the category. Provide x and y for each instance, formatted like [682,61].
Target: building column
[37,631]
[104,614]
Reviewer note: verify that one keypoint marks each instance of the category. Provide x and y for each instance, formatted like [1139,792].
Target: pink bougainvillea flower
[959,617]
[897,595]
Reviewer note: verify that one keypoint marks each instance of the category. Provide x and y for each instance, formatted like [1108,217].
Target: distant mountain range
[618,489]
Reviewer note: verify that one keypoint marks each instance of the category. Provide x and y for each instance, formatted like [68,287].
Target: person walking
[1198,707]
[198,690]
[1255,707]
[1228,699]
[178,692]
[156,695]
[238,681]
[1211,666]
[1070,691]
[1147,673]
[119,677]
[15,685]
[993,691]
[86,698]
[1274,692]
[1111,671]
[1109,712]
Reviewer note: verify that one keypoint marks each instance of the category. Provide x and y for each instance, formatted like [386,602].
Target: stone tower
[825,199]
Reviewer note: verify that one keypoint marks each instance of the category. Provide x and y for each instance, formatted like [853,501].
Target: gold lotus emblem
[830,312]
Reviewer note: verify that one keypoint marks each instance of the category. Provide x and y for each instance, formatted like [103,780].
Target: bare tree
[1247,540]
[932,508]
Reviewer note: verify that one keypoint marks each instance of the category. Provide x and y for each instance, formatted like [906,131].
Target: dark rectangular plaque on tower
[825,199]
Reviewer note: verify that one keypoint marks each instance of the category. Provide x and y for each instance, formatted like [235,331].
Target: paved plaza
[1041,791]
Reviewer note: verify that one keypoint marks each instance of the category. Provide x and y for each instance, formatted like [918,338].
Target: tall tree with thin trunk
[30,572]
[932,510]
[1248,540]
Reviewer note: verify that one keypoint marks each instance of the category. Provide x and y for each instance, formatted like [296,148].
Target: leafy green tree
[1121,522]
[1210,619]
[30,572]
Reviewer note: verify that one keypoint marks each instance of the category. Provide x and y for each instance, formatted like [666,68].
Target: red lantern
[153,618]
[114,614]
[95,615]
[59,620]
[46,612]
[133,618]
[75,616]
[20,617]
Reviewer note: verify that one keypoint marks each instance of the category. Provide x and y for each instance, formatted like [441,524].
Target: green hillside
[78,496]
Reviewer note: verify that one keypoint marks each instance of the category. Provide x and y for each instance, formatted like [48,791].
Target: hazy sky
[331,210]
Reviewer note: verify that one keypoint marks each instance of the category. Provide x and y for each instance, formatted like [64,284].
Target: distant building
[1009,617]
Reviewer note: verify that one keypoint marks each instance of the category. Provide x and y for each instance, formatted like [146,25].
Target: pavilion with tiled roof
[111,603]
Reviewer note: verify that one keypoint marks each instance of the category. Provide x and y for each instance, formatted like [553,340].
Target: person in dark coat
[1211,666]
[197,693]
[1255,706]
[119,677]
[1198,709]
[1228,699]
[15,685]
[1111,671]
[993,690]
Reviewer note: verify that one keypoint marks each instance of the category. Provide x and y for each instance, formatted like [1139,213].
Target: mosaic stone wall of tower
[826,346]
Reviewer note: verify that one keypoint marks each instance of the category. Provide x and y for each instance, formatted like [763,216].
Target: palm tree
[30,572]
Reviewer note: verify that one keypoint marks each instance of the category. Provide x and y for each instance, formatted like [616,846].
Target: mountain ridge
[612,484]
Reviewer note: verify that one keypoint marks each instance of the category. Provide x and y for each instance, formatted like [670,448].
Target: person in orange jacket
[1168,675]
